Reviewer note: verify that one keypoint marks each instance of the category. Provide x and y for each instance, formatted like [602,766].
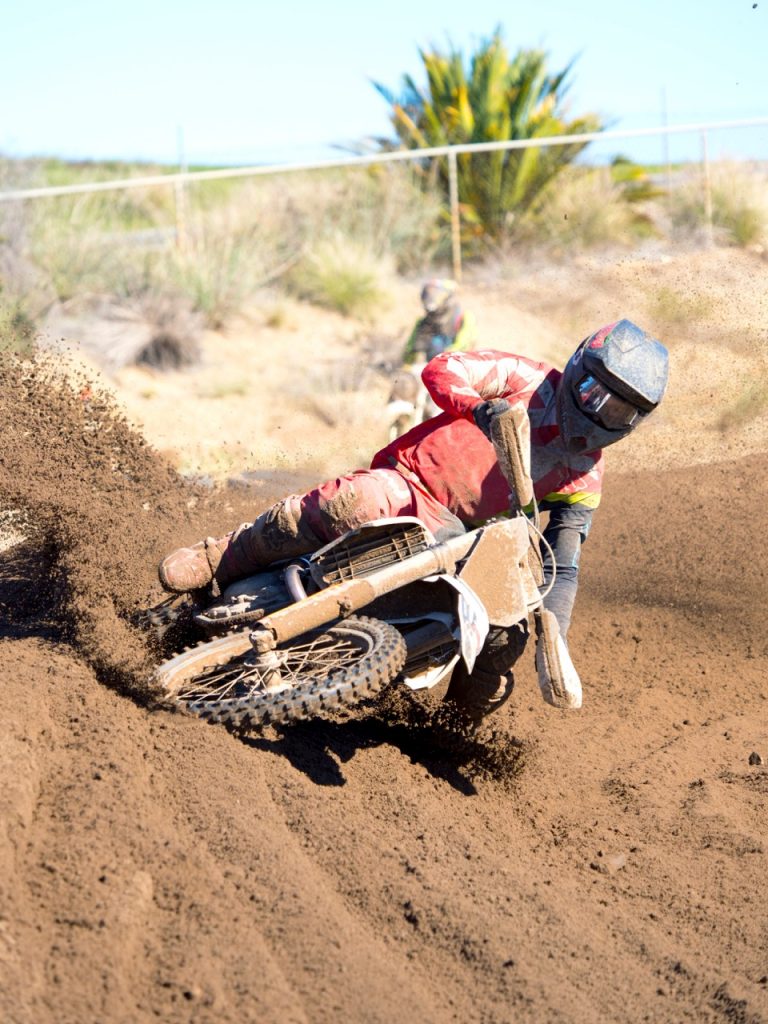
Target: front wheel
[319,671]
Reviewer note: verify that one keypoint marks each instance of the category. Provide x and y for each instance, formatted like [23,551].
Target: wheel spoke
[317,658]
[321,662]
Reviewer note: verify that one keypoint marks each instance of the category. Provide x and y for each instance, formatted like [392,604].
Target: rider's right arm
[417,346]
[410,345]
[459,381]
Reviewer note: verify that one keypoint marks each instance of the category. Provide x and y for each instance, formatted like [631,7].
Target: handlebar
[511,437]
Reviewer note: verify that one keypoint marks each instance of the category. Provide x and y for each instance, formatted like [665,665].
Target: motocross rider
[445,472]
[445,326]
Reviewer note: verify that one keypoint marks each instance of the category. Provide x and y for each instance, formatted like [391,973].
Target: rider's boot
[277,534]
[478,693]
[489,685]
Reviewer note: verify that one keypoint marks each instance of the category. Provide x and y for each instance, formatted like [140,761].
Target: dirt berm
[604,865]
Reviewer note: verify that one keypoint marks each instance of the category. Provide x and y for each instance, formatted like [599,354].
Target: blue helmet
[612,381]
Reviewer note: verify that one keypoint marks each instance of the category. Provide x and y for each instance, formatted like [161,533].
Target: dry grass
[277,316]
[150,328]
[229,386]
[234,249]
[750,403]
[345,276]
[739,196]
[25,289]
[348,229]
[338,393]
[336,238]
[584,208]
[672,310]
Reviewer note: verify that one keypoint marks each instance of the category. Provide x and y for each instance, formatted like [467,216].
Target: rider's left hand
[486,412]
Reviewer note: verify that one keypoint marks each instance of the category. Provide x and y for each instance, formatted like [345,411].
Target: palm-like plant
[494,99]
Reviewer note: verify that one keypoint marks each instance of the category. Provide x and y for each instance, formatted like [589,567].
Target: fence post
[665,141]
[707,188]
[453,192]
[181,218]
[180,196]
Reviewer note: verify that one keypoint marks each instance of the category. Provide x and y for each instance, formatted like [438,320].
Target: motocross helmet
[437,293]
[614,379]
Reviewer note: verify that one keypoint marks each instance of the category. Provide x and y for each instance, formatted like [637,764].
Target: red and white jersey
[457,464]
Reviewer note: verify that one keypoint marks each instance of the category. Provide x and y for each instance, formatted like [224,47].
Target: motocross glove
[486,412]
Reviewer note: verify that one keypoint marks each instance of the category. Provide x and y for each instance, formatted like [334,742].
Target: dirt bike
[288,642]
[409,402]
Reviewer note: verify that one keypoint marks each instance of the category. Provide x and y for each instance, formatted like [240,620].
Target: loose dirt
[603,865]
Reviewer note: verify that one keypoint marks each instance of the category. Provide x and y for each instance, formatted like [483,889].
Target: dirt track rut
[605,865]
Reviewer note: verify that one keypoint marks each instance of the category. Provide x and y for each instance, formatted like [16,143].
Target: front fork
[265,658]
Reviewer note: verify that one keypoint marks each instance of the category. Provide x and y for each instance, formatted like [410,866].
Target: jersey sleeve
[459,381]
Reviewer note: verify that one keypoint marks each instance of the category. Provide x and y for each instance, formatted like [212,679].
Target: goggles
[602,405]
[435,294]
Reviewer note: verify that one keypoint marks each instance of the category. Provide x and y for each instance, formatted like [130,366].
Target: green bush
[489,97]
[343,275]
[585,208]
[17,330]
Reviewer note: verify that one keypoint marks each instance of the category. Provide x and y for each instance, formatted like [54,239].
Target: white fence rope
[378,158]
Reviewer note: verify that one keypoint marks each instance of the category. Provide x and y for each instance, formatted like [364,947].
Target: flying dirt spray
[97,507]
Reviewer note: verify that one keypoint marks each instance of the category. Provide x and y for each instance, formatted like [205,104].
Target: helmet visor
[602,405]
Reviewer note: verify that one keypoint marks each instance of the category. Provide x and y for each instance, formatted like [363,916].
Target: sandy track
[612,869]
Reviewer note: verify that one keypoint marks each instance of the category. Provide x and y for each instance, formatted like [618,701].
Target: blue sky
[272,81]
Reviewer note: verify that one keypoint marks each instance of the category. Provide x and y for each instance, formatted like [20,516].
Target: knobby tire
[381,656]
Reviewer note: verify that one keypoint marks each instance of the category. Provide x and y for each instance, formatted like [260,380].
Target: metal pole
[665,138]
[180,195]
[364,161]
[707,189]
[453,191]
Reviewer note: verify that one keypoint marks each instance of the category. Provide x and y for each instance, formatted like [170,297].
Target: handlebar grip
[511,437]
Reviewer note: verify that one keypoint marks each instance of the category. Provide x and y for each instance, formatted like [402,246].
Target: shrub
[343,275]
[237,237]
[17,331]
[585,208]
[148,327]
[490,97]
[739,205]
[382,207]
[234,248]
[25,290]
